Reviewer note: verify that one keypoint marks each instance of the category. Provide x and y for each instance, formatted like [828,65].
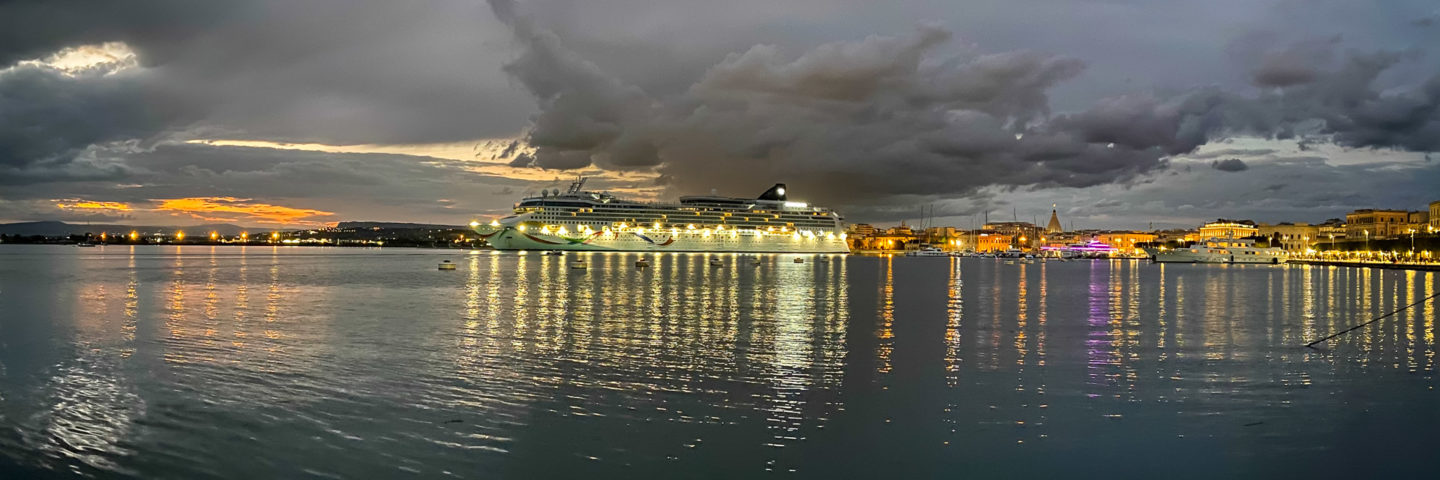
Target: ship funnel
[776,193]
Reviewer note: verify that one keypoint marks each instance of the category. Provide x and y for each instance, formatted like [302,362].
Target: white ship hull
[683,241]
[1232,255]
[597,221]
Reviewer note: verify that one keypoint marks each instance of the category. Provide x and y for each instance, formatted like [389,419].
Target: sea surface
[301,362]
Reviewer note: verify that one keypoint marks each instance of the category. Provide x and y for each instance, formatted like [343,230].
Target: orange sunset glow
[232,209]
[80,204]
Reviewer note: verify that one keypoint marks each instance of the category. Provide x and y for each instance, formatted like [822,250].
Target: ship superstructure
[578,219]
[1221,250]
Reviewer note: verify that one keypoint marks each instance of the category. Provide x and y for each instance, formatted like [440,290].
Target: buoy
[446,265]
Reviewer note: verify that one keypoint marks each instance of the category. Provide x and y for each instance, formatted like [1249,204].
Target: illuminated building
[1223,228]
[1417,221]
[861,230]
[992,241]
[1333,230]
[1125,242]
[1054,226]
[1435,215]
[1291,236]
[1378,223]
[1025,235]
[1181,236]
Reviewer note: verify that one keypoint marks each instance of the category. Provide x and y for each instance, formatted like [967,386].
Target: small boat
[446,265]
[1009,262]
[927,252]
[799,260]
[715,262]
[84,244]
[577,265]
[642,263]
[755,261]
[554,252]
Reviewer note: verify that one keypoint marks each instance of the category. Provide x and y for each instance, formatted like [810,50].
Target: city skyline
[273,115]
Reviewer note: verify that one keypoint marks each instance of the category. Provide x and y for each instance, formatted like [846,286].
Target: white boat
[927,252]
[1221,250]
[579,219]
[1011,253]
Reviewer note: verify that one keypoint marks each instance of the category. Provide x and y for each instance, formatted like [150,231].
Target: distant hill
[398,226]
[60,229]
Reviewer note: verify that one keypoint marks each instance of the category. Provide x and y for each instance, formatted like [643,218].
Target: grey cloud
[375,185]
[1229,165]
[877,120]
[1229,152]
[1313,191]
[1275,64]
[848,122]
[328,71]
[48,119]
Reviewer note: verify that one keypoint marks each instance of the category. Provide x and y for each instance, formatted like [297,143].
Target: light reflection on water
[265,361]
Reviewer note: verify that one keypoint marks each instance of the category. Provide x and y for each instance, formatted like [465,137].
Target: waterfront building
[1178,235]
[1417,221]
[946,238]
[1373,223]
[1435,215]
[1223,228]
[861,230]
[1333,230]
[1126,242]
[992,241]
[1025,235]
[1291,236]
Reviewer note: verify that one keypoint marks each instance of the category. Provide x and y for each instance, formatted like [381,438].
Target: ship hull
[514,239]
[1256,256]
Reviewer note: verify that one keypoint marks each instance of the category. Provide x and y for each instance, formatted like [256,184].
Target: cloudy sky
[1124,113]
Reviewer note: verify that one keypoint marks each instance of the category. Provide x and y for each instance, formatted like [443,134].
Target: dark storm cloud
[886,117]
[847,121]
[1229,165]
[35,28]
[730,96]
[327,71]
[48,118]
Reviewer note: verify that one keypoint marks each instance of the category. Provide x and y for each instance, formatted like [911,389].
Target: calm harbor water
[230,362]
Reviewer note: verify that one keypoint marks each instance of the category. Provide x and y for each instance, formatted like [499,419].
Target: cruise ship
[578,219]
[1221,250]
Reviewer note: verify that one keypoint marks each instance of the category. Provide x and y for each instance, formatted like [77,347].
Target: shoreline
[1433,267]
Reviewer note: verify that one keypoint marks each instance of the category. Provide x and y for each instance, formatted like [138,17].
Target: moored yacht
[1221,250]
